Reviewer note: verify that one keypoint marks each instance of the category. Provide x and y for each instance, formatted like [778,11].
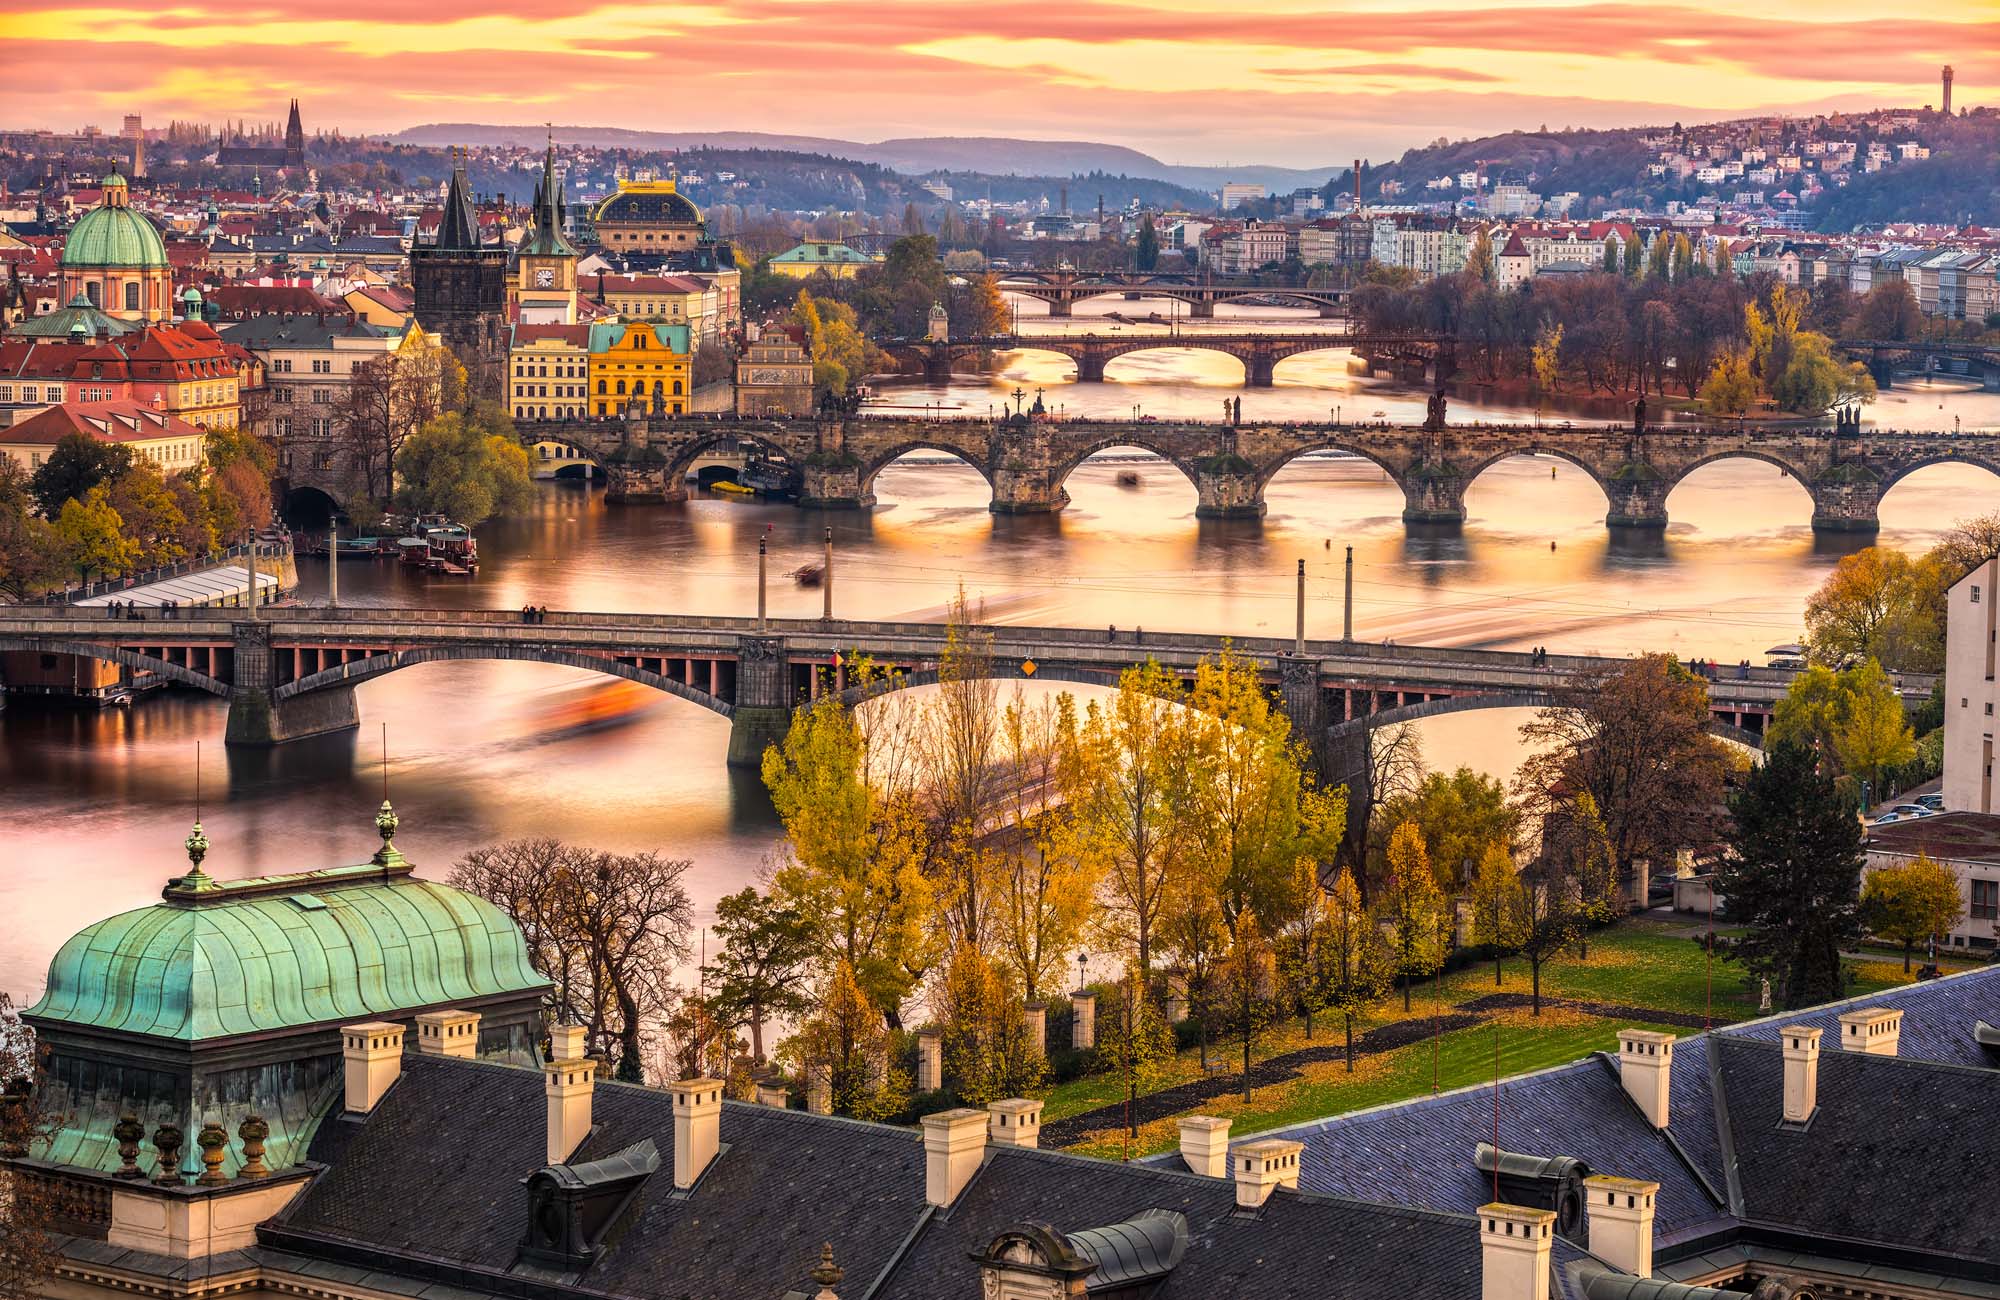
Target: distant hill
[989,155]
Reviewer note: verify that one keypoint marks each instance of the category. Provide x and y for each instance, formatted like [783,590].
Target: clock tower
[544,287]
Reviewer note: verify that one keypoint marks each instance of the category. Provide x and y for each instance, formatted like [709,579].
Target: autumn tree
[607,928]
[958,745]
[1888,311]
[1873,732]
[1045,868]
[1479,264]
[843,1047]
[1411,909]
[1547,917]
[29,1254]
[1731,388]
[988,1054]
[1126,788]
[1793,876]
[1879,604]
[1911,903]
[1573,834]
[854,844]
[91,535]
[74,466]
[1353,959]
[986,309]
[1498,911]
[31,554]
[1634,737]
[466,467]
[1458,814]
[763,968]
[150,517]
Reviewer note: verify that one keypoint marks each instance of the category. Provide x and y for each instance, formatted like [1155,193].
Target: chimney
[1645,1065]
[954,1143]
[1801,1044]
[567,1080]
[774,1095]
[1016,1122]
[930,1060]
[1205,1145]
[1514,1247]
[1264,1165]
[451,1032]
[1083,1028]
[372,1053]
[1872,1030]
[697,1127]
[1620,1219]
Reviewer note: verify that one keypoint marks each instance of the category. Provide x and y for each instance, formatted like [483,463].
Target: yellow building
[672,299]
[647,217]
[637,363]
[548,372]
[171,443]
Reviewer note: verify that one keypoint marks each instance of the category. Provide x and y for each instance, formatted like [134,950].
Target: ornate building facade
[544,287]
[114,257]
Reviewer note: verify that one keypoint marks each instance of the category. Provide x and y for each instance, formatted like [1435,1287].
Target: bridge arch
[1105,442]
[1170,343]
[120,655]
[538,446]
[683,457]
[974,456]
[1525,699]
[363,670]
[1951,457]
[1273,467]
[1803,474]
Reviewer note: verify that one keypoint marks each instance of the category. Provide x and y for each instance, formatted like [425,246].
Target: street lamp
[1082,960]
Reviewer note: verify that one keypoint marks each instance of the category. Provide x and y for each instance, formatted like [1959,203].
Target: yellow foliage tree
[1912,903]
[1497,912]
[1411,908]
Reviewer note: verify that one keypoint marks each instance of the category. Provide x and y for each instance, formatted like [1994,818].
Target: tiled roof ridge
[1610,1064]
[1415,1103]
[1904,1062]
[1860,1000]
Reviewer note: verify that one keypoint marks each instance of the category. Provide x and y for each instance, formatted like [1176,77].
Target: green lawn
[1638,963]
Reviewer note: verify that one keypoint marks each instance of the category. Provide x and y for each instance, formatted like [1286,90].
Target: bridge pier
[1202,309]
[1020,489]
[1433,494]
[1260,370]
[1227,488]
[1061,307]
[1845,499]
[640,482]
[256,718]
[1305,705]
[1090,367]
[835,486]
[763,699]
[1638,499]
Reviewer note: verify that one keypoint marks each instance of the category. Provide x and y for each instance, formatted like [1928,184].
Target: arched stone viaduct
[1025,462]
[1064,287]
[1413,356]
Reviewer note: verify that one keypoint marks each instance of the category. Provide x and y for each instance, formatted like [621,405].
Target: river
[99,801]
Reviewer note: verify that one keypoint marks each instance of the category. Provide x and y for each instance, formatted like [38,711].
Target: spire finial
[196,842]
[386,820]
[828,1274]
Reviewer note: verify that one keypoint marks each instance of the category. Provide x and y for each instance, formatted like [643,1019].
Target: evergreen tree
[1793,877]
[1146,254]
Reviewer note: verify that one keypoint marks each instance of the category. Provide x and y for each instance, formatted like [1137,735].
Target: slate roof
[1420,1153]
[1937,1019]
[429,1175]
[1899,1154]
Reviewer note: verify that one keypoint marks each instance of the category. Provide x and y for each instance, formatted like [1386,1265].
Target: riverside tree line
[948,857]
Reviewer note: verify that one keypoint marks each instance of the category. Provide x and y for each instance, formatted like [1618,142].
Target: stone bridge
[1412,356]
[291,671]
[1064,287]
[1026,461]
[1885,357]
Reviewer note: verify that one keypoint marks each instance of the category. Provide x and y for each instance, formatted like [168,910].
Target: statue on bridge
[1434,412]
[1639,415]
[1847,421]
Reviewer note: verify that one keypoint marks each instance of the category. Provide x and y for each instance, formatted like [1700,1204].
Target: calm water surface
[478,752]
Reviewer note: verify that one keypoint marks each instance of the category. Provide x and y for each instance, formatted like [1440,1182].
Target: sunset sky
[1192,81]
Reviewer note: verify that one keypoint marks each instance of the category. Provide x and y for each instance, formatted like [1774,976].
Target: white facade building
[1969,693]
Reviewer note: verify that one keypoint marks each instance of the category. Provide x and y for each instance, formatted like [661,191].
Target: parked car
[1933,801]
[1911,810]
[1889,818]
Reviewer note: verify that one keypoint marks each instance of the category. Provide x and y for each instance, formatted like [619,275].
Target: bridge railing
[887,636]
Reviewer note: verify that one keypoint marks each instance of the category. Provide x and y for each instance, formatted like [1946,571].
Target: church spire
[459,230]
[546,239]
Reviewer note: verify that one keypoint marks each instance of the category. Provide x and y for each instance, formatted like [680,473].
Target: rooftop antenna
[196,842]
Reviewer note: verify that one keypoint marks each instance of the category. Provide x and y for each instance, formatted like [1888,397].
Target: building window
[1986,900]
[30,393]
[131,296]
[55,392]
[1975,593]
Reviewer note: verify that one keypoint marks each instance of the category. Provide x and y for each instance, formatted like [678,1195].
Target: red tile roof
[104,421]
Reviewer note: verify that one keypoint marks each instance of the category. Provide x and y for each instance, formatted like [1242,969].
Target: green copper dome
[224,958]
[113,235]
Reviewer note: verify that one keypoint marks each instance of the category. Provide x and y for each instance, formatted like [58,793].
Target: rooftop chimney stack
[1514,1247]
[697,1127]
[1874,1031]
[954,1144]
[451,1032]
[567,1079]
[1205,1145]
[372,1054]
[1016,1122]
[1801,1046]
[1620,1217]
[1263,1166]
[1645,1067]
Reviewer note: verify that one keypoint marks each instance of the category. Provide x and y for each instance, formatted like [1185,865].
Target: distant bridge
[1063,287]
[1025,462]
[1886,356]
[290,672]
[1416,356]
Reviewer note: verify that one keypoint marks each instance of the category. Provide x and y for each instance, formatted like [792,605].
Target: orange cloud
[1290,81]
